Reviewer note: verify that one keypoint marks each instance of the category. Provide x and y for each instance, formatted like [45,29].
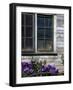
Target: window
[45,33]
[43,36]
[27,32]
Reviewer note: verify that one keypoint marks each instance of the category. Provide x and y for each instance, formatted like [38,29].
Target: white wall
[4,45]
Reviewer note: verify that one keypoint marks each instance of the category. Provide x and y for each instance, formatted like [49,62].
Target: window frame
[54,33]
[35,49]
[33,35]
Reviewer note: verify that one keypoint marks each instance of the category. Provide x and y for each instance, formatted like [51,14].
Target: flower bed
[37,69]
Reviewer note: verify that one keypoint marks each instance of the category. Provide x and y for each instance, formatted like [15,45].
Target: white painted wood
[35,33]
[54,33]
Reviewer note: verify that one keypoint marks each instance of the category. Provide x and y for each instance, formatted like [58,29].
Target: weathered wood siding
[60,34]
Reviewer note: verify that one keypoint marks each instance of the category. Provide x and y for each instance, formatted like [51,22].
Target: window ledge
[40,54]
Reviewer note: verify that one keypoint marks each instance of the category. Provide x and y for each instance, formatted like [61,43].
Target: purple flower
[49,67]
[57,71]
[53,70]
[44,69]
[30,65]
[26,67]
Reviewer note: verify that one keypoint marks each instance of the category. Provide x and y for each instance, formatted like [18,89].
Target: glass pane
[23,33]
[48,33]
[23,42]
[48,45]
[40,21]
[45,33]
[29,32]
[28,43]
[40,33]
[28,19]
[41,44]
[48,22]
[22,19]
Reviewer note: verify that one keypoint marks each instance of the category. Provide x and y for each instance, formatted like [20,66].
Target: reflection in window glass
[40,44]
[48,45]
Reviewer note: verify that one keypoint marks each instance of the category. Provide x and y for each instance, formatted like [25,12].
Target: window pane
[41,44]
[48,33]
[40,21]
[28,43]
[40,33]
[45,33]
[48,45]
[23,33]
[23,43]
[22,19]
[48,22]
[28,19]
[29,32]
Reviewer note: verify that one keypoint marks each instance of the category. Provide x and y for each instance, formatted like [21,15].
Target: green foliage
[62,58]
[36,66]
[44,62]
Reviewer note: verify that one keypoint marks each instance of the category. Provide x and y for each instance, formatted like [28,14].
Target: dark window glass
[23,41]
[48,22]
[48,44]
[22,19]
[40,44]
[48,33]
[23,32]
[28,43]
[40,21]
[27,32]
[28,19]
[45,33]
[40,33]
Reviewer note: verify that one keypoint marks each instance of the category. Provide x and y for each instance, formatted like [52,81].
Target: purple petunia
[28,68]
[50,68]
[53,70]
[44,69]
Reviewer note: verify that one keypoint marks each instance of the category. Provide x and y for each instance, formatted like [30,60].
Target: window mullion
[35,33]
[44,32]
[54,38]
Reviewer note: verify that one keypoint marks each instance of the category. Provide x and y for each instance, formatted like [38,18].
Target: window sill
[40,54]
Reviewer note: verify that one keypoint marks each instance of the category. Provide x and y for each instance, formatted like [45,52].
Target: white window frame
[35,32]
[54,39]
